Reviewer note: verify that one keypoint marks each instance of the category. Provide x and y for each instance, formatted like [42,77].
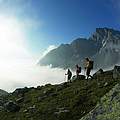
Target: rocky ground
[81,99]
[108,108]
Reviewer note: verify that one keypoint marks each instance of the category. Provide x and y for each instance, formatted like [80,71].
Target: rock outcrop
[2,92]
[108,107]
[11,106]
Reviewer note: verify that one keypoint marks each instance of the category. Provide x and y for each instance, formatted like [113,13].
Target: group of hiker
[88,66]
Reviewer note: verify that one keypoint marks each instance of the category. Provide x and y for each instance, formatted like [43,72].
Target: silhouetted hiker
[78,70]
[69,73]
[88,67]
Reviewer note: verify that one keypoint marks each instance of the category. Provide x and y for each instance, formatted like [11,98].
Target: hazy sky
[31,28]
[52,22]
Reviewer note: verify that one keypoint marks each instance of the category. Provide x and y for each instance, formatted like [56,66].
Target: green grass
[79,97]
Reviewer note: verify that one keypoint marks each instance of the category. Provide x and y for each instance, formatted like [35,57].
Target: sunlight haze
[29,29]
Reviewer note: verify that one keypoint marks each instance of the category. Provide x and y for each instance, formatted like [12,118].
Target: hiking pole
[85,72]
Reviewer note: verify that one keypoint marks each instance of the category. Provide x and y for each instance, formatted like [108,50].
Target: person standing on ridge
[69,73]
[78,70]
[88,67]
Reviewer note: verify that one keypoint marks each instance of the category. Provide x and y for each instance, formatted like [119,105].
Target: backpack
[91,64]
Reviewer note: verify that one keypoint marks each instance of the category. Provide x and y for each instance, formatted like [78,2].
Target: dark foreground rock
[2,92]
[79,77]
[11,106]
[116,72]
[98,73]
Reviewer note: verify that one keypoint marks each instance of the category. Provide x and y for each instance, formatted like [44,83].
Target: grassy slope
[79,97]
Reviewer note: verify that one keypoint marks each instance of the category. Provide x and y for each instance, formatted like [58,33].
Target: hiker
[78,70]
[69,73]
[88,67]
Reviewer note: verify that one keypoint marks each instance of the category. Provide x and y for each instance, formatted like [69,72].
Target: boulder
[2,108]
[1,102]
[32,109]
[19,100]
[116,72]
[62,86]
[105,84]
[59,88]
[38,88]
[61,110]
[3,93]
[48,91]
[98,73]
[20,91]
[11,106]
[79,77]
[40,98]
[25,111]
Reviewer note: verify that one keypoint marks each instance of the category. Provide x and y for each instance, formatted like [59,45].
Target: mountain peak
[103,46]
[105,29]
[104,34]
[78,40]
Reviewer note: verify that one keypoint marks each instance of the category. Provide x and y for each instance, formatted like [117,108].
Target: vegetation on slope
[67,101]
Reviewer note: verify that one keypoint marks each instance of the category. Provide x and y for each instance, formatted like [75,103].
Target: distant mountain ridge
[103,46]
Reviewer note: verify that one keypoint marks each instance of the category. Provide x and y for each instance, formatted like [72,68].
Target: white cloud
[12,78]
[13,49]
[32,76]
[23,10]
[17,67]
[12,38]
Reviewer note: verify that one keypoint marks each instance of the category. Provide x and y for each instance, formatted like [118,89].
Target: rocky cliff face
[103,46]
[70,54]
[109,52]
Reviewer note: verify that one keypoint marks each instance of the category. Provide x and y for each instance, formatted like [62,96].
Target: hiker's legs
[69,78]
[90,75]
[77,73]
[87,73]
